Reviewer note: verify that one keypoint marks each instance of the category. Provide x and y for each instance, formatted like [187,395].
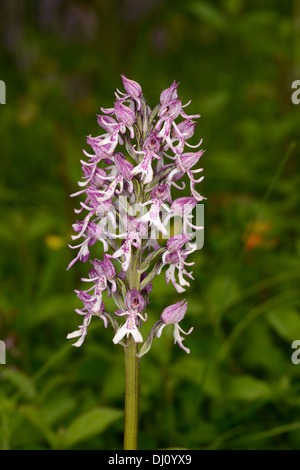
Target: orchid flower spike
[130,214]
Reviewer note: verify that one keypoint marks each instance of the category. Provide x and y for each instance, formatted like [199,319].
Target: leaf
[137,132]
[159,177]
[129,147]
[220,292]
[137,189]
[151,335]
[194,370]
[58,406]
[36,417]
[21,382]
[51,307]
[90,424]
[286,323]
[248,388]
[112,321]
[208,13]
[151,275]
[153,114]
[121,285]
[118,300]
[276,431]
[152,257]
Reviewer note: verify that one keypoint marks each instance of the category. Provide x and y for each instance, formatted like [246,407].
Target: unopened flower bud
[133,88]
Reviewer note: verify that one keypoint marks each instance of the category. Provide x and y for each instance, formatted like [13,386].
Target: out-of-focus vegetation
[236,59]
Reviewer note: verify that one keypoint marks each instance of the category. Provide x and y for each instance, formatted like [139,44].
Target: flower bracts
[127,184]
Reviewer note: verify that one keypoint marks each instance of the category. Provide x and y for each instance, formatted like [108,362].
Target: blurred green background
[236,59]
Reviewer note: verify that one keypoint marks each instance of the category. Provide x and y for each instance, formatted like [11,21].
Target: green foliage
[236,60]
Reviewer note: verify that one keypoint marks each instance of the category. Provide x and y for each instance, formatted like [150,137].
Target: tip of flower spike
[170,93]
[133,89]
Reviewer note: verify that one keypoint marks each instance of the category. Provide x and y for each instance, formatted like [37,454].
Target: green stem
[132,363]
[131,396]
[132,370]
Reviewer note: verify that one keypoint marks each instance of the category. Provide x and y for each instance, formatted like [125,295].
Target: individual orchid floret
[94,176]
[183,207]
[103,276]
[176,260]
[150,149]
[112,138]
[136,230]
[130,326]
[168,112]
[125,116]
[88,311]
[184,163]
[91,233]
[172,315]
[175,256]
[97,209]
[171,108]
[123,174]
[108,269]
[181,133]
[158,195]
[100,285]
